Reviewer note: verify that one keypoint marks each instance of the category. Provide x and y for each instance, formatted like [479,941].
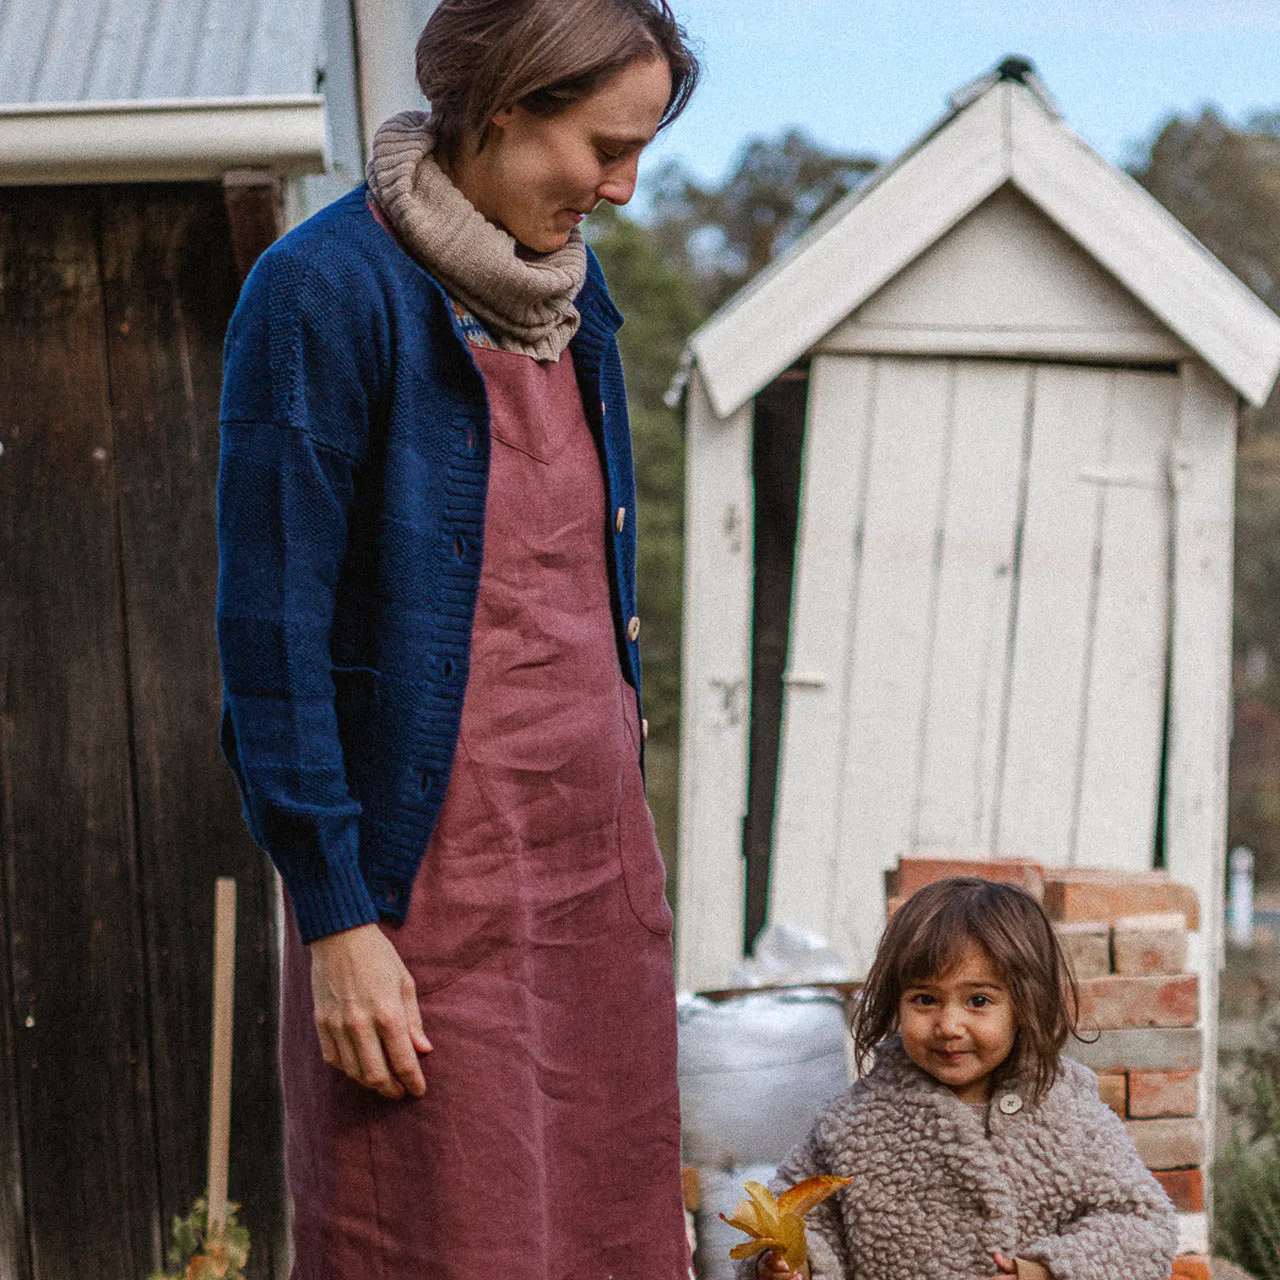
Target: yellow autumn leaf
[777,1222]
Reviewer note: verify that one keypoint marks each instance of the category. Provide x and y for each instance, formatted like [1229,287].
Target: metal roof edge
[160,140]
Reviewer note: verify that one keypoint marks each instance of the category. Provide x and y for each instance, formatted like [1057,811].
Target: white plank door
[978,655]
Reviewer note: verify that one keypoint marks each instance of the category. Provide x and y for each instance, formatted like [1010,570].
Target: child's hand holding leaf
[777,1223]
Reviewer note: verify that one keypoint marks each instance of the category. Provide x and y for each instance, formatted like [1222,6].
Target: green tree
[657,298]
[728,233]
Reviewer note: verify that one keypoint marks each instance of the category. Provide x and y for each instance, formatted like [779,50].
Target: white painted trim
[183,140]
[848,256]
[386,35]
[1106,346]
[1006,135]
[715,709]
[1203,483]
[1152,254]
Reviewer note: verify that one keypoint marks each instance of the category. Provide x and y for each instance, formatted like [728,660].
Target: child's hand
[771,1265]
[1005,1266]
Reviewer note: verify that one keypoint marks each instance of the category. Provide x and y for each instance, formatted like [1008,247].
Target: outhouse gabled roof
[118,90]
[1007,133]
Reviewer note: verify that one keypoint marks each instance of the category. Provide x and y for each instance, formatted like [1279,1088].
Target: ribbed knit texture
[355,452]
[526,303]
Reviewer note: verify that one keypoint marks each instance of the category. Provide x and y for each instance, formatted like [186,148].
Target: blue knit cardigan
[351,495]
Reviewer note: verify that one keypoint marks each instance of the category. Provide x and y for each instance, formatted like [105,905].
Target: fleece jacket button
[1010,1104]
[633,630]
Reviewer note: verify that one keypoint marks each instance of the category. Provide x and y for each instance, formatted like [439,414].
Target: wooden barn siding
[978,656]
[117,810]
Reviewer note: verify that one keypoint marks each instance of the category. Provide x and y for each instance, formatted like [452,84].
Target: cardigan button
[1010,1104]
[633,630]
[620,520]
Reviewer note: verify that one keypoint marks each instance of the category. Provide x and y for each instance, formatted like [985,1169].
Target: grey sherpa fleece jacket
[938,1185]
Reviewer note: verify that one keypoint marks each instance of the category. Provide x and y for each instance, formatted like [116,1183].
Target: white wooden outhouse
[1010,619]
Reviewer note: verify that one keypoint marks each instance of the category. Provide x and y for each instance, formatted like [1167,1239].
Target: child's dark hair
[927,937]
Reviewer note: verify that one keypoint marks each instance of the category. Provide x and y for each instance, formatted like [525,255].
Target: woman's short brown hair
[478,57]
[927,937]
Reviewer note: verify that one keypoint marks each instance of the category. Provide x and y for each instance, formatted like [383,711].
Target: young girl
[974,1149]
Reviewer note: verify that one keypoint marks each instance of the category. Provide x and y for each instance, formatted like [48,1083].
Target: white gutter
[182,140]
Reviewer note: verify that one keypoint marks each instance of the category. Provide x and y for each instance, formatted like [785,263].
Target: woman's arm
[298,387]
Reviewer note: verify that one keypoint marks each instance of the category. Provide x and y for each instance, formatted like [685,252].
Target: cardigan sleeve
[1122,1224]
[295,420]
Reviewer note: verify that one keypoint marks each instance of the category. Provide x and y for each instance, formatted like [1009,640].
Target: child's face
[959,1026]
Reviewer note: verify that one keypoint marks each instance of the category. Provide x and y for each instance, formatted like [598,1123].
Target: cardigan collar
[525,303]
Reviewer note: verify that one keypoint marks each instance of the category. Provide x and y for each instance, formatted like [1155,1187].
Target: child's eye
[922,998]
[980,1002]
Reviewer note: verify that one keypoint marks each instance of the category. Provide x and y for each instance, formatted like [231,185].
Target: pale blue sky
[873,74]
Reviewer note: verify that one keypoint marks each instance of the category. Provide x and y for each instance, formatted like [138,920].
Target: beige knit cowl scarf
[525,303]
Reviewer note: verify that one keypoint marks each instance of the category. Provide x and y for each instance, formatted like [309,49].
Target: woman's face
[537,177]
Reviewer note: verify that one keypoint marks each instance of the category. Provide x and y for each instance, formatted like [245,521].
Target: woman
[428,635]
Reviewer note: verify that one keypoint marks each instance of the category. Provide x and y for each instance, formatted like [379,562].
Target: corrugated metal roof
[120,50]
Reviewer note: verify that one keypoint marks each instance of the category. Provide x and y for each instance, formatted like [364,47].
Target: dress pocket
[643,871]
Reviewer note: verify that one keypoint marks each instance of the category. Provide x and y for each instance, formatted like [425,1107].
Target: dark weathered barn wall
[117,813]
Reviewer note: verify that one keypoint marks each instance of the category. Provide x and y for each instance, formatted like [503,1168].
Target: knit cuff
[341,901]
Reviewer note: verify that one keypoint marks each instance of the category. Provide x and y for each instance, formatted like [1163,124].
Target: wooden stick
[224,981]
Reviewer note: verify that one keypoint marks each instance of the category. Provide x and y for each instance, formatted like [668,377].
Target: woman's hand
[771,1265]
[366,1011]
[1006,1266]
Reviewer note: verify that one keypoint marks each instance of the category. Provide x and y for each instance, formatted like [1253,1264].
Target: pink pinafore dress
[547,1146]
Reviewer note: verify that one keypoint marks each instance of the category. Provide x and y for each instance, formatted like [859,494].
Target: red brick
[1150,944]
[1164,1093]
[1115,1002]
[1087,946]
[1095,894]
[1112,1089]
[1185,1187]
[917,870]
[1192,1266]
[1168,1144]
[891,907]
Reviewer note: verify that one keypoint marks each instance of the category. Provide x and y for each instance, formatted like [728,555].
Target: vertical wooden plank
[169,288]
[83,1088]
[716,682]
[1200,679]
[838,433]
[893,638]
[955,806]
[15,1257]
[1115,819]
[885,672]
[1040,759]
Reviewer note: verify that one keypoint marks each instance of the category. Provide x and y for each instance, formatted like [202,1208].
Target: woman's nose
[620,185]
